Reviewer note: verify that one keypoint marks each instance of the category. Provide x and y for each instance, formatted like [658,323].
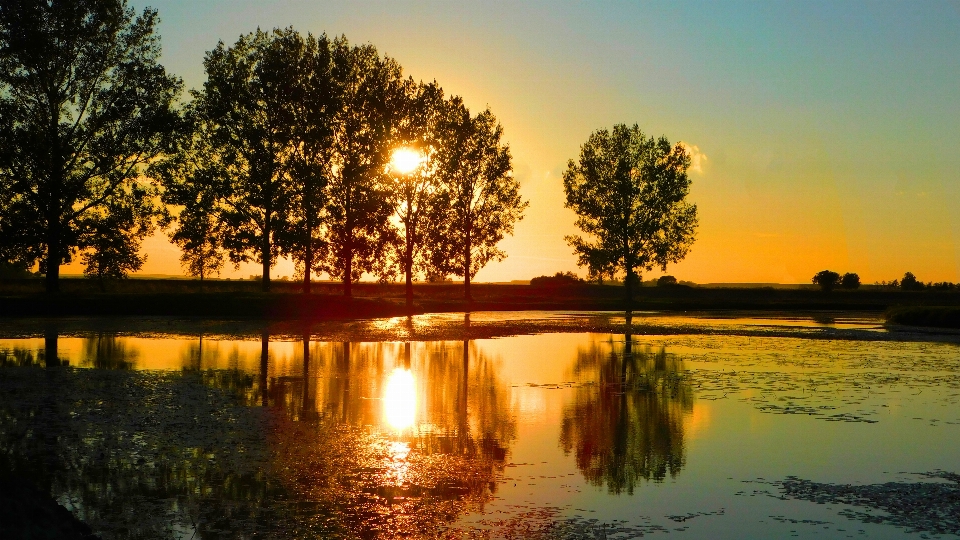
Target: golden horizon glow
[406,160]
[400,399]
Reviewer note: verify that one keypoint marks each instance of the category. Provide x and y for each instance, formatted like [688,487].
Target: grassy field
[242,299]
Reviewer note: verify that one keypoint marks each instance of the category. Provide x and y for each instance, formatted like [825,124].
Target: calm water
[562,435]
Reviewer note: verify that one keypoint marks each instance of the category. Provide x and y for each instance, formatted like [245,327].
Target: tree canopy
[359,192]
[85,104]
[826,279]
[629,192]
[480,198]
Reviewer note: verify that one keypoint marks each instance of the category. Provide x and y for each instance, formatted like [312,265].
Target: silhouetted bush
[910,283]
[942,286]
[666,281]
[826,279]
[560,279]
[9,270]
[850,280]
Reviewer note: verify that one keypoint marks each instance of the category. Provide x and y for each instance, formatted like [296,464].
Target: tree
[850,281]
[826,279]
[194,187]
[245,102]
[358,192]
[418,133]
[112,238]
[910,283]
[666,281]
[629,192]
[479,199]
[313,105]
[85,104]
[598,261]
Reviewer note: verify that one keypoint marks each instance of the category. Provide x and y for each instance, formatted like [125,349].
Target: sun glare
[405,160]
[400,399]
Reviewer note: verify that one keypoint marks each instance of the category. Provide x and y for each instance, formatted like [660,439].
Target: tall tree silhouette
[194,188]
[359,202]
[85,105]
[245,100]
[480,197]
[419,129]
[629,192]
[313,102]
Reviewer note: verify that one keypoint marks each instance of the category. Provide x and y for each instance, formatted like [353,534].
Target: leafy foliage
[480,201]
[666,281]
[359,194]
[85,105]
[417,193]
[629,192]
[826,279]
[113,236]
[194,187]
[560,279]
[909,282]
[850,280]
[246,102]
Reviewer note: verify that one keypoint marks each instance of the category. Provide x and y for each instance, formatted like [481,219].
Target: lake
[489,425]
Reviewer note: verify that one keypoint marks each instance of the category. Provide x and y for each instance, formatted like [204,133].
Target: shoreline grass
[242,300]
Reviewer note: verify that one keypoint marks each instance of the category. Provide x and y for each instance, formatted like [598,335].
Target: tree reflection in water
[384,477]
[628,427]
[107,351]
[226,453]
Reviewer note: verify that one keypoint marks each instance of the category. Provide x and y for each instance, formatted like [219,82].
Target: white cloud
[697,158]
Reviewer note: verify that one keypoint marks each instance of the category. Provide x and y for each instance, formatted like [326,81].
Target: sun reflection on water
[400,399]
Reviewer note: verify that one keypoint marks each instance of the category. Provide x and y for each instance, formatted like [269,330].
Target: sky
[824,134]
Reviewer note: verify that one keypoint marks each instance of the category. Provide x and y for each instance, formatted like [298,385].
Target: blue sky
[828,131]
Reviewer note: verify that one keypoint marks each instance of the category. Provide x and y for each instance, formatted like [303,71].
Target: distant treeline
[829,280]
[297,145]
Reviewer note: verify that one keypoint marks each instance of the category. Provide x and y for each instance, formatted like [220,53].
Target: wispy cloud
[697,158]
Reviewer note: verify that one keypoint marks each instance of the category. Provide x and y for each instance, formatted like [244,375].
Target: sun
[405,160]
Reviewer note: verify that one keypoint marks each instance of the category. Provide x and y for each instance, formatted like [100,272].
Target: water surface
[809,426]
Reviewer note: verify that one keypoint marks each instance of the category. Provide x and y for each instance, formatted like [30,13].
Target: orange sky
[827,133]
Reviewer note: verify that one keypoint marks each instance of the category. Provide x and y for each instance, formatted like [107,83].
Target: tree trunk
[54,208]
[266,263]
[467,263]
[308,252]
[408,259]
[52,278]
[628,286]
[348,273]
[265,247]
[307,261]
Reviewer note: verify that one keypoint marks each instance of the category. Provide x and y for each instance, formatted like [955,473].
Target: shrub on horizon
[850,280]
[560,279]
[910,283]
[666,281]
[826,279]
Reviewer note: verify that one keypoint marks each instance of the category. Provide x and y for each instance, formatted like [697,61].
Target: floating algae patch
[932,505]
